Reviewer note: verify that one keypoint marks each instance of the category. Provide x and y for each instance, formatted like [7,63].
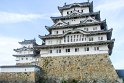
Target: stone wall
[81,69]
[19,77]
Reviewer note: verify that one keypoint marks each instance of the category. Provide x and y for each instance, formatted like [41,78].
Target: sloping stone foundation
[19,77]
[77,69]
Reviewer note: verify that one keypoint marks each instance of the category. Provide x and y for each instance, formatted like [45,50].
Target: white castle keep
[79,39]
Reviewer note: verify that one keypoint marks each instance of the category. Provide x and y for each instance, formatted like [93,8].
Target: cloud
[111,5]
[7,45]
[7,17]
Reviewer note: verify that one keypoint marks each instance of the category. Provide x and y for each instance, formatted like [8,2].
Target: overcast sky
[25,19]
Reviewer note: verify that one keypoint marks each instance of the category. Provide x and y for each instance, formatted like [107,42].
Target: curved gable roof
[90,20]
[60,23]
[75,31]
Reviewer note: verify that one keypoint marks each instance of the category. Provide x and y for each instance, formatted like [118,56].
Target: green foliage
[64,81]
[69,81]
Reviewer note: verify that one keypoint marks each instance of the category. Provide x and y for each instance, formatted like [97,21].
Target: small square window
[96,48]
[67,12]
[63,32]
[56,32]
[67,50]
[94,28]
[76,49]
[59,50]
[50,51]
[26,58]
[86,49]
[100,38]
[91,39]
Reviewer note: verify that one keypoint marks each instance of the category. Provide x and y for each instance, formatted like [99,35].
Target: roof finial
[88,0]
[65,3]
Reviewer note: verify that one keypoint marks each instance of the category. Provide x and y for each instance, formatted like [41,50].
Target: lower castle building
[76,50]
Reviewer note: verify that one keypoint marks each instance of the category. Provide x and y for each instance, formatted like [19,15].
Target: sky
[25,19]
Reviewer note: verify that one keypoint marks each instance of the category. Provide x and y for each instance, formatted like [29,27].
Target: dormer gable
[90,20]
[60,23]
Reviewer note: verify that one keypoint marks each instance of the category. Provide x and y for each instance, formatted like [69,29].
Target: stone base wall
[19,77]
[77,69]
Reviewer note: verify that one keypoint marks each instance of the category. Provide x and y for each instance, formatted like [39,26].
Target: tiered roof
[24,48]
[102,23]
[95,14]
[84,4]
[88,33]
[33,41]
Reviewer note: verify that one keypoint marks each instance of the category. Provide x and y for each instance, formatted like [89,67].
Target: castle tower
[77,47]
[26,54]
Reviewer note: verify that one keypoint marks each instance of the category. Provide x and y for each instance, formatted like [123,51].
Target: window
[86,29]
[80,21]
[76,49]
[81,10]
[71,38]
[56,32]
[91,39]
[68,22]
[71,11]
[64,39]
[77,38]
[26,58]
[63,32]
[100,38]
[58,51]
[94,28]
[96,48]
[68,38]
[67,50]
[74,38]
[78,10]
[50,51]
[86,48]
[22,58]
[67,12]
[82,39]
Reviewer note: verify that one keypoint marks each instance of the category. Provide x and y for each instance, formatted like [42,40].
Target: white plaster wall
[85,10]
[18,69]
[60,31]
[25,59]
[77,40]
[74,21]
[24,52]
[102,49]
[27,45]
[90,28]
[53,41]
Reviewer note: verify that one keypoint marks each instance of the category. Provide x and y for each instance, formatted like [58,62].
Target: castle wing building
[26,54]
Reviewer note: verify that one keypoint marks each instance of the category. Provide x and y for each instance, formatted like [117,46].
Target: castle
[76,50]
